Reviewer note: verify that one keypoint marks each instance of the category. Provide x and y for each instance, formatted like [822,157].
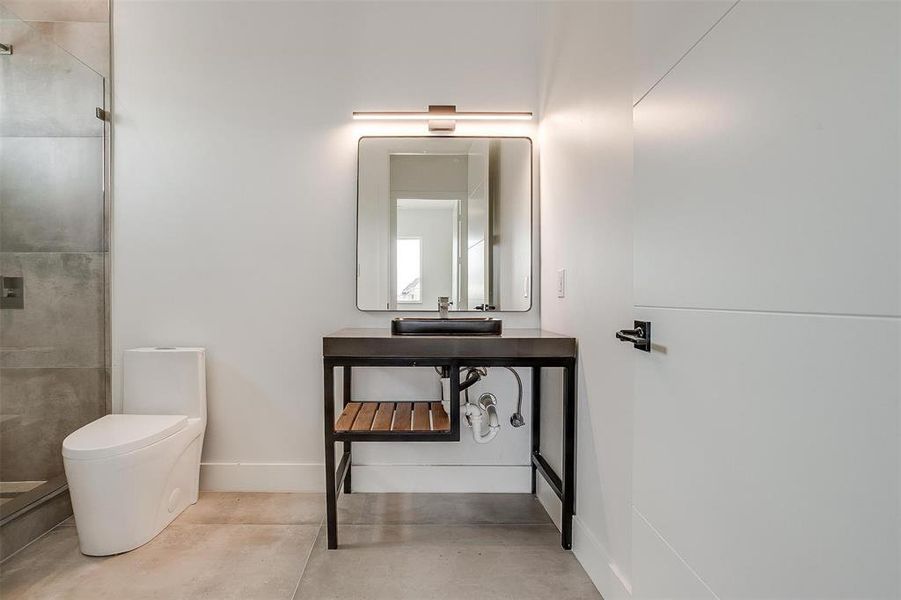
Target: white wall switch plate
[561,283]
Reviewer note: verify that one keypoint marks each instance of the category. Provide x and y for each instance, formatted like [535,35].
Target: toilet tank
[165,381]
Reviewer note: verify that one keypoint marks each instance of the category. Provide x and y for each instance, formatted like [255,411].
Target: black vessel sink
[461,326]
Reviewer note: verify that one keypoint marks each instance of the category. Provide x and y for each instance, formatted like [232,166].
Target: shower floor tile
[10,489]
[17,487]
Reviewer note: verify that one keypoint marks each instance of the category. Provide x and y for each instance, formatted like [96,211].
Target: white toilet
[131,474]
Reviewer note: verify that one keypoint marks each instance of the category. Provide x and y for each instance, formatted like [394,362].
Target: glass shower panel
[53,366]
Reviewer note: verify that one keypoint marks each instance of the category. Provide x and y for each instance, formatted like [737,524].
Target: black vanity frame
[339,477]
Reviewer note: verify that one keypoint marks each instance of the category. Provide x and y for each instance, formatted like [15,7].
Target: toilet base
[123,502]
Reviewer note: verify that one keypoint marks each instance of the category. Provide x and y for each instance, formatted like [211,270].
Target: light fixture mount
[443,117]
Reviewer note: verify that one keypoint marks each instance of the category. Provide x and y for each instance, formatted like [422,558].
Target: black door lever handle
[630,335]
[639,337]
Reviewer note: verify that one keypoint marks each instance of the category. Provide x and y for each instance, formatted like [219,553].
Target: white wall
[664,31]
[586,223]
[235,205]
[767,258]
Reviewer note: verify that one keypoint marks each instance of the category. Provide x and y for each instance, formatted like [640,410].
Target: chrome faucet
[443,305]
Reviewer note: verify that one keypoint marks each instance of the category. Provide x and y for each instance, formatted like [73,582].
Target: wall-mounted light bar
[442,117]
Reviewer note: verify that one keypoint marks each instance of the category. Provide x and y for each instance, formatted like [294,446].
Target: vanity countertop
[512,343]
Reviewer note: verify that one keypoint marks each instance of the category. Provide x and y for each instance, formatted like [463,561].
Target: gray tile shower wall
[77,11]
[52,190]
[47,91]
[40,408]
[62,323]
[89,42]
[54,363]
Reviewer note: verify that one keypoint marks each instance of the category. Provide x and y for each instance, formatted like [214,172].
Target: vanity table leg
[569,452]
[331,500]
[536,421]
[348,375]
[454,389]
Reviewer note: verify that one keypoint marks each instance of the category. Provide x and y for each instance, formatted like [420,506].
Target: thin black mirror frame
[532,261]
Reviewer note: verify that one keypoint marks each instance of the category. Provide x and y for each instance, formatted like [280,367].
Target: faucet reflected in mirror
[443,306]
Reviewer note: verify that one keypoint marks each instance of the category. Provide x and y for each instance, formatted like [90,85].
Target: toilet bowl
[131,474]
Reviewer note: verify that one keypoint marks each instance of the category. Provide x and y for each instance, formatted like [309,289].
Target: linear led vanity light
[442,117]
[460,116]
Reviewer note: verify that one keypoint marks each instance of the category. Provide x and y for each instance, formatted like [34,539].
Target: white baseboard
[549,500]
[596,561]
[262,477]
[442,478]
[588,550]
[310,477]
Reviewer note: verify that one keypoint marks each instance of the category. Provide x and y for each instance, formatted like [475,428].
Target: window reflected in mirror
[409,270]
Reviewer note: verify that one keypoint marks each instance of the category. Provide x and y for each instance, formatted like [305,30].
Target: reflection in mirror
[447,216]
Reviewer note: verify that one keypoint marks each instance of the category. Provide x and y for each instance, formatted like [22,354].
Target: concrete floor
[261,546]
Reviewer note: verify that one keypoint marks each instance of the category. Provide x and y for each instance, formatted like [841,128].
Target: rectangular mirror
[444,216]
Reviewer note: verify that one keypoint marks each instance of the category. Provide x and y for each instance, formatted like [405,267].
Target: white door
[766,423]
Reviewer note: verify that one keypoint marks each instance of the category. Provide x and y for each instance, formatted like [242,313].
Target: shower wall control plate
[12,292]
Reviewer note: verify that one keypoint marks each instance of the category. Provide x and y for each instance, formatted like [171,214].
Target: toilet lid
[113,435]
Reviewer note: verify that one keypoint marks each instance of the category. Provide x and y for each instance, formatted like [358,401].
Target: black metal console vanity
[375,422]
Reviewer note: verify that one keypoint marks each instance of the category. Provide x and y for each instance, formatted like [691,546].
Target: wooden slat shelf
[393,416]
